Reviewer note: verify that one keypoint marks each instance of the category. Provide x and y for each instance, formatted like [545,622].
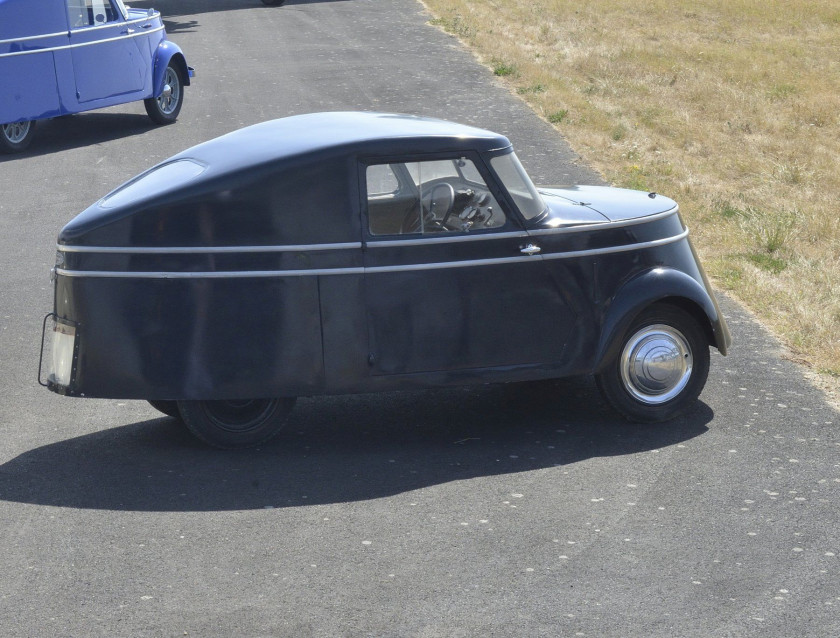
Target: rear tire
[17,136]
[169,408]
[660,368]
[235,424]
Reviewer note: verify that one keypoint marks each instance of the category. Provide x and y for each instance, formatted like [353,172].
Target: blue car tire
[17,136]
[165,108]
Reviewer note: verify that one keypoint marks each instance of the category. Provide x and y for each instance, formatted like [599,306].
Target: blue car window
[86,13]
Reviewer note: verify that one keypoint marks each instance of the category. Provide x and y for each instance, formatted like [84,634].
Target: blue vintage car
[66,56]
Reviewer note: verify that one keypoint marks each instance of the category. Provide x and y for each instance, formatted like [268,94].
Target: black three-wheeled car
[361,252]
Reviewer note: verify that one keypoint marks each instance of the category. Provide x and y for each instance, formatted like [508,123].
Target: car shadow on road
[83,129]
[340,449]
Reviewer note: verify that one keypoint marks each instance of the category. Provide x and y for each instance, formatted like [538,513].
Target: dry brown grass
[732,107]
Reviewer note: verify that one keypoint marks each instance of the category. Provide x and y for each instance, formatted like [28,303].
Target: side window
[381,180]
[88,13]
[439,196]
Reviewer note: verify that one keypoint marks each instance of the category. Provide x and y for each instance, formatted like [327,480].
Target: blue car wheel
[164,109]
[16,136]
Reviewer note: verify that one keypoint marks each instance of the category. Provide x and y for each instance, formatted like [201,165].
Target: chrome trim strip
[136,34]
[26,38]
[202,250]
[606,224]
[618,249]
[222,274]
[437,265]
[371,270]
[446,239]
[143,18]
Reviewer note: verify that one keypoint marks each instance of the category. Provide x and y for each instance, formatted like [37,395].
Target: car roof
[334,133]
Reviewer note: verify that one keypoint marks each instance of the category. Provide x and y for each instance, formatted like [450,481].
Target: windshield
[519,185]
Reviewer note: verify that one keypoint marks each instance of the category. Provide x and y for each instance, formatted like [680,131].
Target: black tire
[660,368]
[235,424]
[17,136]
[273,3]
[165,108]
[169,408]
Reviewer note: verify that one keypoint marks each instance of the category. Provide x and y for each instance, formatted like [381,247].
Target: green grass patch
[558,117]
[770,263]
[503,69]
[531,90]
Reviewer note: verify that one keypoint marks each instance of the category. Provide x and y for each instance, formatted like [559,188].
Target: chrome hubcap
[16,132]
[168,100]
[656,364]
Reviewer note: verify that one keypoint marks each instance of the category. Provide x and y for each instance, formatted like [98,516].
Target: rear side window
[87,13]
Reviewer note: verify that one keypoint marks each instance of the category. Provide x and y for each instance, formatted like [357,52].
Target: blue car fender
[660,285]
[165,53]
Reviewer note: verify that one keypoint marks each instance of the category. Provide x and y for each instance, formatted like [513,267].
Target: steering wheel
[438,208]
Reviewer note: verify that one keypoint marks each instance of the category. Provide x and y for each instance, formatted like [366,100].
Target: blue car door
[111,56]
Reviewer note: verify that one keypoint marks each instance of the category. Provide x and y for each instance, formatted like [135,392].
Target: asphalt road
[517,510]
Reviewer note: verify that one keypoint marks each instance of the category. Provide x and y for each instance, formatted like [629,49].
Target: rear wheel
[169,408]
[661,367]
[17,136]
[236,423]
[164,109]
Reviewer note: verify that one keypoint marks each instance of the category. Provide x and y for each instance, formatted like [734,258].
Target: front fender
[661,285]
[165,53]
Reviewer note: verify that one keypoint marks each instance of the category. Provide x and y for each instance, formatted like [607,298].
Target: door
[111,56]
[450,282]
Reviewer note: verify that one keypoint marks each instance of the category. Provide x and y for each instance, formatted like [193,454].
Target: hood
[570,205]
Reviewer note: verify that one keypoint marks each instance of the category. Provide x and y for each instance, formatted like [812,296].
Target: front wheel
[164,109]
[237,423]
[660,368]
[16,137]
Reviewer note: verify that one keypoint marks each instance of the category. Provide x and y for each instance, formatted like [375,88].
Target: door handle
[128,32]
[530,249]
[148,25]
